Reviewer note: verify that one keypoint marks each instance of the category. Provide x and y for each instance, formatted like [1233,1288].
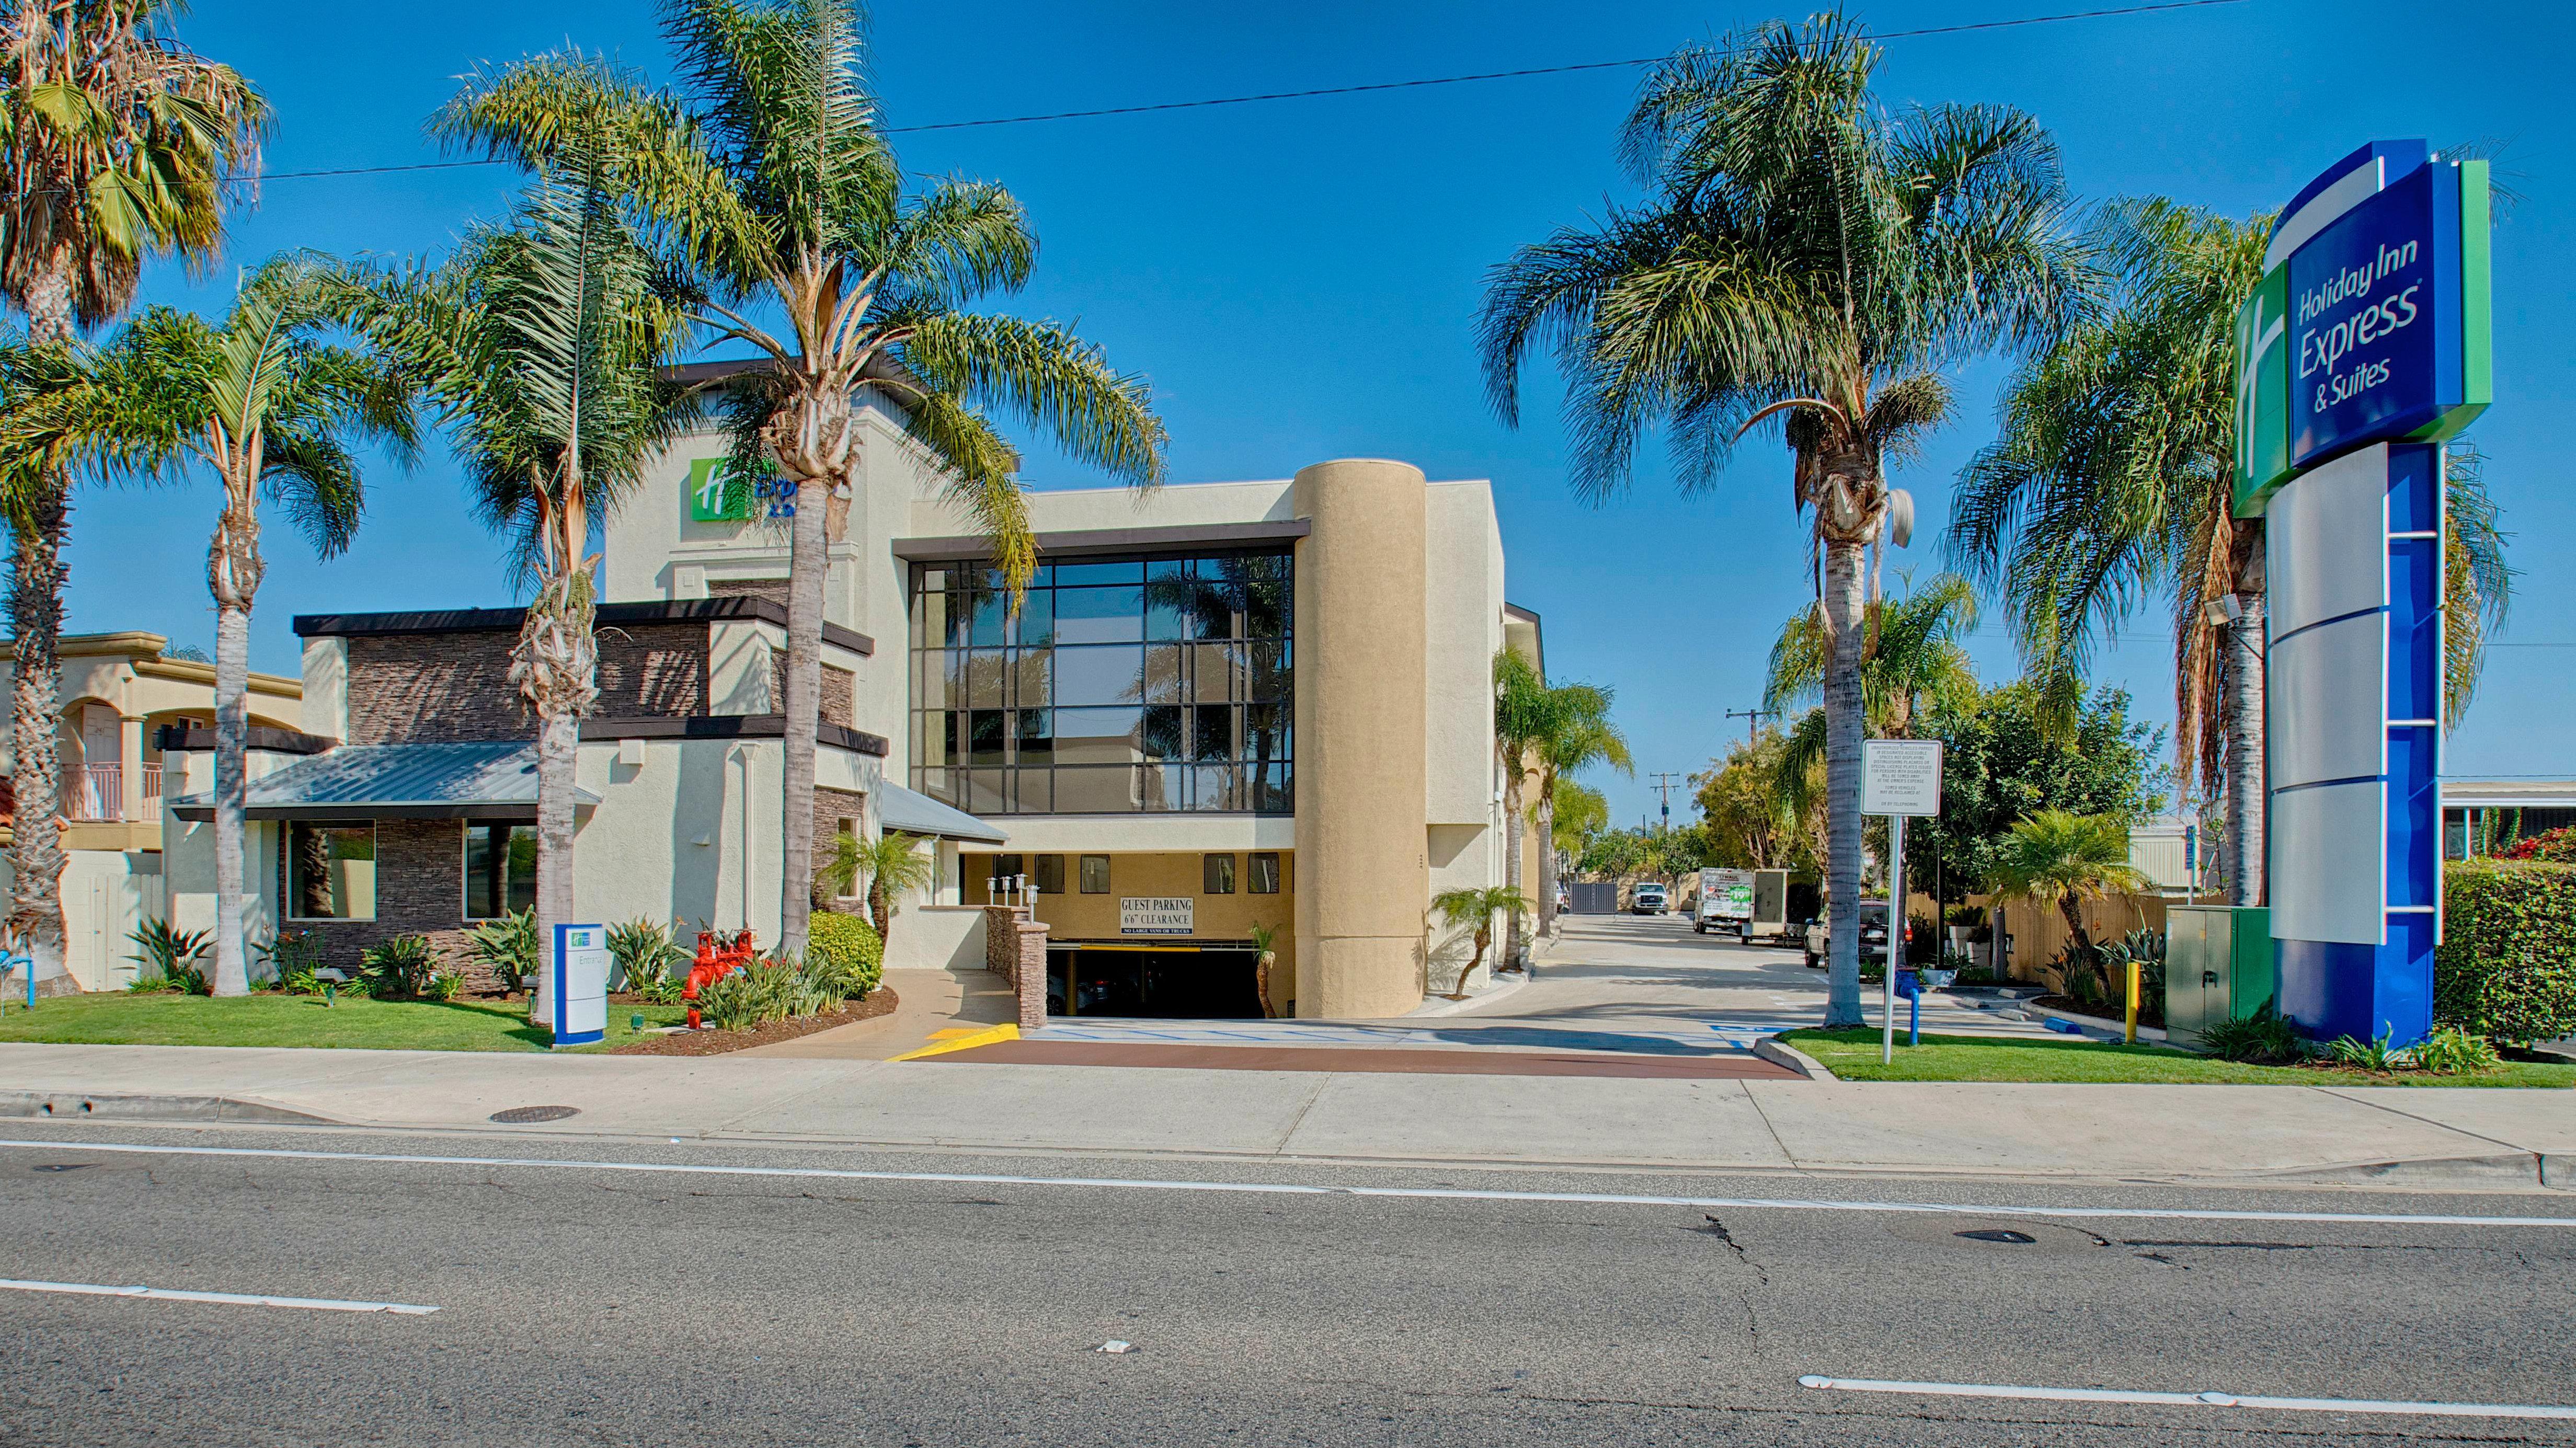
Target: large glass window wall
[1146,685]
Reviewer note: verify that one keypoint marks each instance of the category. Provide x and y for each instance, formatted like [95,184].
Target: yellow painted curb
[964,1042]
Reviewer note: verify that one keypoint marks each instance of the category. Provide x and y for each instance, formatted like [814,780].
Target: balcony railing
[95,794]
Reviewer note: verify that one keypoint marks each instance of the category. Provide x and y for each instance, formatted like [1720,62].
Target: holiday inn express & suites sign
[2371,322]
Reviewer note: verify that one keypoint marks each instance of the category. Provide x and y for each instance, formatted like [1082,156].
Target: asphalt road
[655,1307]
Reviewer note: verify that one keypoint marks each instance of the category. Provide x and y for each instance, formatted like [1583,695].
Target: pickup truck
[1647,900]
[1873,935]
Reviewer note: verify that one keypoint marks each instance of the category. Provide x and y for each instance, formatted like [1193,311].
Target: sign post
[572,988]
[1898,778]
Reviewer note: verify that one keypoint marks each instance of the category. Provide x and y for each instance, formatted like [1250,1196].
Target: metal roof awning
[915,813]
[480,781]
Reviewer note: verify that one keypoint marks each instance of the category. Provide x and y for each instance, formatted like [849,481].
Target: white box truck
[1725,903]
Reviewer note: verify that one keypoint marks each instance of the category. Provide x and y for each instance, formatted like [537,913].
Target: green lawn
[285,1020]
[1853,1055]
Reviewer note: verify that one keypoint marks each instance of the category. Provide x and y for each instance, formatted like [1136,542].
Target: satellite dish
[1900,517]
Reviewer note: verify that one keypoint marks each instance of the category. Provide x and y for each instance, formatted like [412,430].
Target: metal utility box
[2218,965]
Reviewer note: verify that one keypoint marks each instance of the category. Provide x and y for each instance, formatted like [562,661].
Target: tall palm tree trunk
[806,565]
[1513,838]
[2245,764]
[1547,859]
[36,578]
[557,667]
[233,571]
[1843,727]
[36,625]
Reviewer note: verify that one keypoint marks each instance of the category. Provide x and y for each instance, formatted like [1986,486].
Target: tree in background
[2111,488]
[894,865]
[120,143]
[1804,256]
[2067,858]
[270,408]
[1750,812]
[2005,758]
[1577,735]
[1578,813]
[541,344]
[1476,908]
[1915,659]
[771,170]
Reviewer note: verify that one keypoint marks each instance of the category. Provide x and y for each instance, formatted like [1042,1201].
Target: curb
[1780,1053]
[2091,1024]
[109,1106]
[990,1036]
[2436,1173]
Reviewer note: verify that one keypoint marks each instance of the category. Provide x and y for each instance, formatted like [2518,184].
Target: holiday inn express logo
[716,493]
[2263,388]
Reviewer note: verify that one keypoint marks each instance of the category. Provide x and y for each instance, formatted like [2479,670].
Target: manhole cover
[1987,1234]
[521,1115]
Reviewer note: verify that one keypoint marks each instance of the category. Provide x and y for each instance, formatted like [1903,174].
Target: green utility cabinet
[2218,965]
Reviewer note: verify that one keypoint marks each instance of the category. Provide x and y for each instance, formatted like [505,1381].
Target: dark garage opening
[1184,982]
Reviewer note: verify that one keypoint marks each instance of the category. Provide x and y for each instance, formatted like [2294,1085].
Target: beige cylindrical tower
[1363,876]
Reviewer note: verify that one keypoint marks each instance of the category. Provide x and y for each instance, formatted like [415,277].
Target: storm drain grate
[1983,1234]
[521,1115]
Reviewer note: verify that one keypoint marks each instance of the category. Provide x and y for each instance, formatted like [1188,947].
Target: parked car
[1648,900]
[1873,935]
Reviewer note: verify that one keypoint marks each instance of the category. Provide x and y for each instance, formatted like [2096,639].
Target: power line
[1391,85]
[1309,94]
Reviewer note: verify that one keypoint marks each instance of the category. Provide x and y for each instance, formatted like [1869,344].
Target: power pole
[1664,784]
[1752,717]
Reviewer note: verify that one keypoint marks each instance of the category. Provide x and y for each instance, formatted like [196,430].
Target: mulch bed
[879,1002]
[2093,1013]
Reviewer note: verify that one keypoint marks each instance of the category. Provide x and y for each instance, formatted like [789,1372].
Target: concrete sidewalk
[2426,1138]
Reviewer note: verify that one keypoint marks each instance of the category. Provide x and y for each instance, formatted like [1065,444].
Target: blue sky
[1299,279]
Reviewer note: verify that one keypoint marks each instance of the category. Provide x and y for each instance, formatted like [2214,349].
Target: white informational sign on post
[1157,915]
[1900,776]
[572,988]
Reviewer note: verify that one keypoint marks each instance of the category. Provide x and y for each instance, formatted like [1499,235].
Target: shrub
[444,986]
[287,952]
[400,968]
[847,949]
[175,958]
[758,993]
[2375,1054]
[2262,1039]
[2508,962]
[2450,1051]
[508,946]
[2557,846]
[646,954]
[2506,968]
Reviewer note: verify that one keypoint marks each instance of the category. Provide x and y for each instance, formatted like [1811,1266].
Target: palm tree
[1575,734]
[1523,714]
[120,143]
[1478,907]
[1915,661]
[1577,813]
[2069,858]
[1803,257]
[541,344]
[2111,486]
[893,864]
[771,169]
[266,406]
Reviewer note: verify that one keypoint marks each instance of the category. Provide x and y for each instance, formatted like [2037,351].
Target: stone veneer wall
[422,687]
[420,890]
[1015,948]
[831,806]
[840,695]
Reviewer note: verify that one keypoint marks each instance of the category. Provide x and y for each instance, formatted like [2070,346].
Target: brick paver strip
[1365,1058]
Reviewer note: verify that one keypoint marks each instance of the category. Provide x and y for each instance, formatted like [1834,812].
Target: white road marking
[1298,1189]
[2195,1400]
[242,1299]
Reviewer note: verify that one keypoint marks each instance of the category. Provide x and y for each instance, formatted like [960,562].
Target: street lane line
[2194,1400]
[1147,1184]
[243,1299]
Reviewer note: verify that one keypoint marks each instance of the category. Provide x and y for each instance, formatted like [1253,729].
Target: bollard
[2134,968]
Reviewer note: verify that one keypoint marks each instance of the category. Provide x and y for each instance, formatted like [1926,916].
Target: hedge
[847,944]
[2507,964]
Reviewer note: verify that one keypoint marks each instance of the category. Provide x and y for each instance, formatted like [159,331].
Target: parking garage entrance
[1167,981]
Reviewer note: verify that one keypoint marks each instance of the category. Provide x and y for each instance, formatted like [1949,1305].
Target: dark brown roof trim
[1078,543]
[507,620]
[730,726]
[173,738]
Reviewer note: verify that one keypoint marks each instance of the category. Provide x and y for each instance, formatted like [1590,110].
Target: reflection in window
[1265,873]
[1118,687]
[500,870]
[1095,874]
[331,871]
[1216,874]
